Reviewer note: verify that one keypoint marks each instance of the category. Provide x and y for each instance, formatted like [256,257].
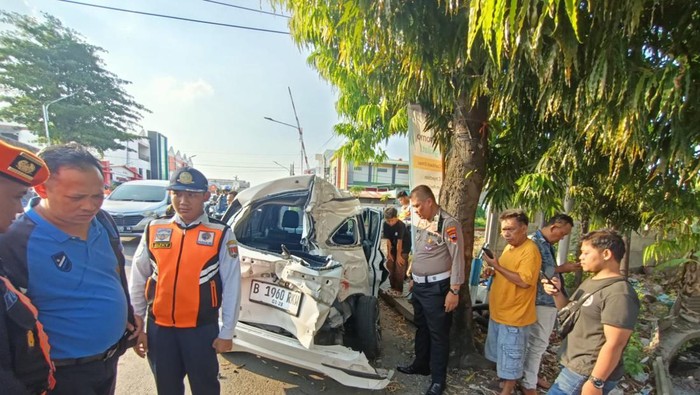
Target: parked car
[134,204]
[311,267]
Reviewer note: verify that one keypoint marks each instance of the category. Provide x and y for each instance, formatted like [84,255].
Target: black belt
[83,360]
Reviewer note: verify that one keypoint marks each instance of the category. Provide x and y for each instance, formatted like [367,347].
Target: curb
[401,305]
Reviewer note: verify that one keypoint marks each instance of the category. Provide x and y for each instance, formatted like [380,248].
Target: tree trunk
[625,264]
[585,225]
[461,188]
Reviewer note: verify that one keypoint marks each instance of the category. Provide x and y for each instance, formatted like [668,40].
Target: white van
[134,204]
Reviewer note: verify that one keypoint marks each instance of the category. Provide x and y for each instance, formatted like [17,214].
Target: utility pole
[301,135]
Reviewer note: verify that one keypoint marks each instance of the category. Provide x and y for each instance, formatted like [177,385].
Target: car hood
[122,206]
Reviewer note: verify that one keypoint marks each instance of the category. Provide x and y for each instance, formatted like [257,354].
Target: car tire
[367,331]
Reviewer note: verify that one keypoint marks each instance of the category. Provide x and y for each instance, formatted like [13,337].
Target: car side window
[347,233]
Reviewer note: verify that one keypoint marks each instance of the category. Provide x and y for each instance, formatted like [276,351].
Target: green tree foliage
[42,60]
[617,84]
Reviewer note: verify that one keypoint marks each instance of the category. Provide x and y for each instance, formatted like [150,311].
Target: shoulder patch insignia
[205,238]
[62,261]
[232,247]
[452,233]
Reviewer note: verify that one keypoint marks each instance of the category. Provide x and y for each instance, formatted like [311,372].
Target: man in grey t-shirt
[592,351]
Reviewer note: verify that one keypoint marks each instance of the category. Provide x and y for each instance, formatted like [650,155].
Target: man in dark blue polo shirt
[65,260]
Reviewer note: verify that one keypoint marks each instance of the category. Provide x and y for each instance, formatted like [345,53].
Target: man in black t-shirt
[398,239]
[592,352]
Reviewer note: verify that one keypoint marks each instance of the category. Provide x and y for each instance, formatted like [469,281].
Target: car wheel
[368,332]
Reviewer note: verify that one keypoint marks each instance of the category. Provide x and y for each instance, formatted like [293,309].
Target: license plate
[275,296]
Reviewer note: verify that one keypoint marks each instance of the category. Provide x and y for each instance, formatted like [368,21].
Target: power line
[175,17]
[247,9]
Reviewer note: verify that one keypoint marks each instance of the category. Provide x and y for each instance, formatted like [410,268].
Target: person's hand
[589,389]
[569,267]
[222,345]
[493,262]
[451,302]
[550,289]
[135,330]
[410,285]
[390,257]
[401,261]
[487,272]
[141,347]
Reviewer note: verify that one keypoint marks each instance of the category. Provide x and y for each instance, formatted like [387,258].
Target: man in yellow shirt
[512,299]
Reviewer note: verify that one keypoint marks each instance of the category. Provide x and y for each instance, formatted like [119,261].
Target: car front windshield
[139,193]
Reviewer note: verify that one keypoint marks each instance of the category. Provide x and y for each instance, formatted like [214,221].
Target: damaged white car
[311,267]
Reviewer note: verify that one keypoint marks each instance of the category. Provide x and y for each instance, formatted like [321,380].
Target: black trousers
[93,378]
[432,344]
[176,352]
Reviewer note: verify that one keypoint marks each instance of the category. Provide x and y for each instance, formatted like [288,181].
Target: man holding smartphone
[558,227]
[512,299]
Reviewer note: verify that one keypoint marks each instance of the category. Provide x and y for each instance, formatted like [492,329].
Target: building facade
[385,176]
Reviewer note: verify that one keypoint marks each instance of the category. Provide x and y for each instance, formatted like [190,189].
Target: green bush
[633,355]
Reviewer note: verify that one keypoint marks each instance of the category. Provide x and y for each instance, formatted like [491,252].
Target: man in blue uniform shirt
[65,258]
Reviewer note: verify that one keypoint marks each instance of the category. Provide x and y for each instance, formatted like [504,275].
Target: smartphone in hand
[548,273]
[488,252]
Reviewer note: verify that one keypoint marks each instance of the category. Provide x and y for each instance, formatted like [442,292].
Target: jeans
[537,344]
[570,383]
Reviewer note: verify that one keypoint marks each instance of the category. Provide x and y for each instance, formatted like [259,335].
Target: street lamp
[45,110]
[301,134]
[290,169]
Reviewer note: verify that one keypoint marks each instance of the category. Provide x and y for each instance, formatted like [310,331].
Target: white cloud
[183,91]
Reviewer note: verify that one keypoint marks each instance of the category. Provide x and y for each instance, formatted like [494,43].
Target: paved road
[243,373]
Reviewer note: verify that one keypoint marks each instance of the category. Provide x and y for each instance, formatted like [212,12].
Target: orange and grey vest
[184,290]
[29,344]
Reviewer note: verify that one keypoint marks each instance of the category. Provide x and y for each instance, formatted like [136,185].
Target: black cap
[188,179]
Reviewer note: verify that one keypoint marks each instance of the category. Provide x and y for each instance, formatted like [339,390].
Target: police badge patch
[164,234]
[232,248]
[205,238]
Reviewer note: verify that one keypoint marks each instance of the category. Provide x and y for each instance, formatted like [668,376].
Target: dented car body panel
[307,258]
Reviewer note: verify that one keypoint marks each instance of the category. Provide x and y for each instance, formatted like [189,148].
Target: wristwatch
[598,383]
[454,291]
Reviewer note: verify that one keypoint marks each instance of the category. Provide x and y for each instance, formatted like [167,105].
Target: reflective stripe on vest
[185,288]
[37,331]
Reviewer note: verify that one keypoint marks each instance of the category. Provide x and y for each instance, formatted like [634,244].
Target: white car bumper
[340,363]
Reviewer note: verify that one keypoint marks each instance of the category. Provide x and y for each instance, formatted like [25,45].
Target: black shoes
[410,369]
[435,389]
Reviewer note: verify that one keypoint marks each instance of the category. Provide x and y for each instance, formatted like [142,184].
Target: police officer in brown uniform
[438,273]
[25,367]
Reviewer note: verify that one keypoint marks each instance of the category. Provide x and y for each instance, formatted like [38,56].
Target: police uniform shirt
[438,247]
[229,270]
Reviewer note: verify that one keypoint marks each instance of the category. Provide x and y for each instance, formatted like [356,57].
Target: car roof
[286,184]
[160,183]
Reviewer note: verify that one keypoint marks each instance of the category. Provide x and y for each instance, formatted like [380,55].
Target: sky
[208,87]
